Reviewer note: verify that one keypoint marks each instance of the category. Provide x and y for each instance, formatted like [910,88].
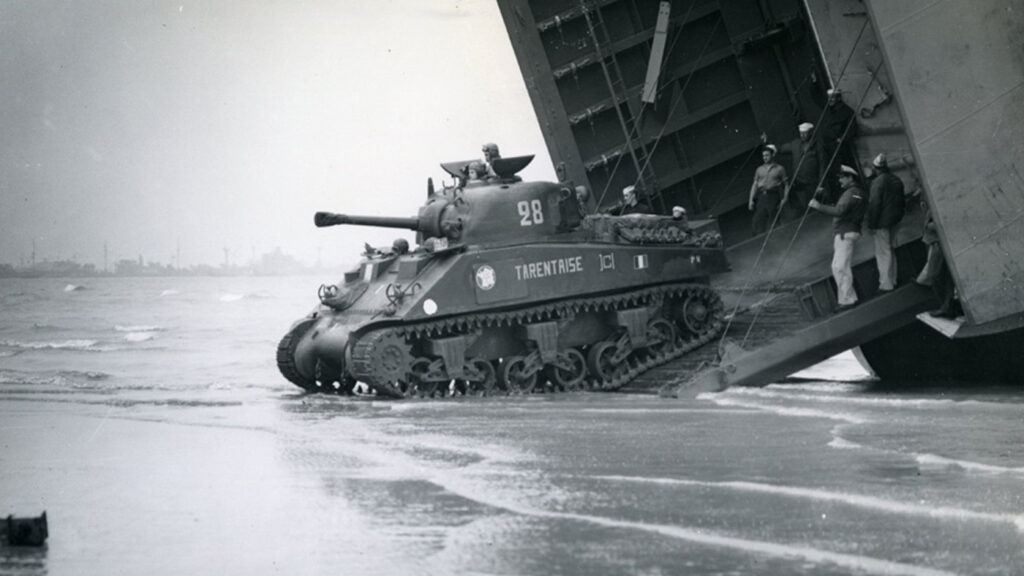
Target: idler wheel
[517,376]
[301,372]
[696,315]
[601,361]
[568,370]
[661,336]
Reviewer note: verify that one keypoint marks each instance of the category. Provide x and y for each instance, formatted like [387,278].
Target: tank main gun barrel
[325,219]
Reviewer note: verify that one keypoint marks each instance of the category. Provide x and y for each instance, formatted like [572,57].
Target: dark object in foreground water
[25,531]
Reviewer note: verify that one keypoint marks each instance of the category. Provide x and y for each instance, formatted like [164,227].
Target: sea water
[147,418]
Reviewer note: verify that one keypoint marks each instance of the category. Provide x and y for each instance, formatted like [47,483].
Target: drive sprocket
[382,359]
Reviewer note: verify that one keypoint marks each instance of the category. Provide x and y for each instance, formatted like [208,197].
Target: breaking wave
[81,345]
[141,328]
[73,287]
[64,378]
[139,336]
[55,345]
[232,297]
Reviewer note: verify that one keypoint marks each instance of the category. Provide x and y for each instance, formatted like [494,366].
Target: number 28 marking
[532,212]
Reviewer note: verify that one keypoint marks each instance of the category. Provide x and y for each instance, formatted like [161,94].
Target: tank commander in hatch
[631,204]
[491,154]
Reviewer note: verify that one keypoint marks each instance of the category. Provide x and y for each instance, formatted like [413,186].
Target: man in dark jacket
[885,210]
[838,128]
[847,216]
[808,164]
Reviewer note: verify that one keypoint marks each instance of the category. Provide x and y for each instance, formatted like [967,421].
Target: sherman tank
[513,287]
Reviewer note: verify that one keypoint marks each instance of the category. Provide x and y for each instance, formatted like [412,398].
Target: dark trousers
[799,197]
[765,206]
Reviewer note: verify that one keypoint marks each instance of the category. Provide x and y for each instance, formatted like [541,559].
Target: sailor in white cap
[886,206]
[768,191]
[847,215]
[838,127]
[808,164]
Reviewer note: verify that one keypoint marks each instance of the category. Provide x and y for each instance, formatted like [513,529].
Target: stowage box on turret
[512,288]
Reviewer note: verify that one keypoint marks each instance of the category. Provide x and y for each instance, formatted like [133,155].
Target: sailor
[838,128]
[768,190]
[935,273]
[679,213]
[885,210]
[847,215]
[631,204]
[808,163]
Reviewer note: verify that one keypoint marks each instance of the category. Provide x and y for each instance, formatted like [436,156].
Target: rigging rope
[835,154]
[643,106]
[774,222]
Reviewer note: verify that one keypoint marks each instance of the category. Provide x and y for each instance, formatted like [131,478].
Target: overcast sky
[219,124]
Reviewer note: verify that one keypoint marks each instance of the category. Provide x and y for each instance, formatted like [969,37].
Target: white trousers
[885,258]
[842,269]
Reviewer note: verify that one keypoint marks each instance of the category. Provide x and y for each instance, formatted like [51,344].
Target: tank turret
[512,288]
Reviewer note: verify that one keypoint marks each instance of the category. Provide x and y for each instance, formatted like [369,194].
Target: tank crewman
[768,190]
[837,131]
[847,216]
[491,154]
[631,204]
[885,210]
[808,164]
[477,172]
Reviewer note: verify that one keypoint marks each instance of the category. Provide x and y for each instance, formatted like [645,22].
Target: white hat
[678,209]
[835,90]
[880,161]
[628,189]
[771,147]
[806,127]
[844,169]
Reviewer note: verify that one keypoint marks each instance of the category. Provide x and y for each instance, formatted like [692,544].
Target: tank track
[286,357]
[366,359]
[326,379]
